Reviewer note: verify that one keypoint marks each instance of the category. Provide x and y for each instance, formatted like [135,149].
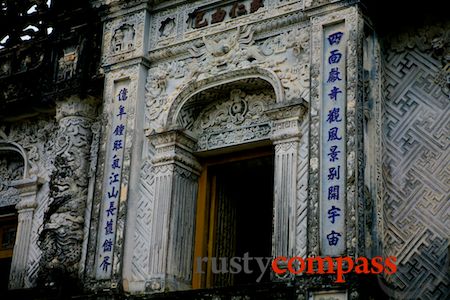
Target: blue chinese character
[113,193]
[333,153]
[335,57]
[117,145]
[335,38]
[334,173]
[123,94]
[113,178]
[105,263]
[110,210]
[109,227]
[333,238]
[115,164]
[333,134]
[107,245]
[334,75]
[333,213]
[119,130]
[333,192]
[121,112]
[333,93]
[333,115]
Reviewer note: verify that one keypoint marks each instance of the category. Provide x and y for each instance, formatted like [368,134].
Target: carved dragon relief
[287,55]
[221,52]
[62,233]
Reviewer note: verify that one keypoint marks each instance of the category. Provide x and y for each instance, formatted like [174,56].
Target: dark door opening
[240,206]
[8,228]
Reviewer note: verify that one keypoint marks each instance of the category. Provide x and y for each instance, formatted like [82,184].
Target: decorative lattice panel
[417,162]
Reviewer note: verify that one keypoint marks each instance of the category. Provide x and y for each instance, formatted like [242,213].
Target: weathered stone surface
[206,77]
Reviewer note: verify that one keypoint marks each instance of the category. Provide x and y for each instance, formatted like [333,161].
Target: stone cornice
[286,121]
[75,107]
[287,110]
[140,60]
[174,146]
[27,189]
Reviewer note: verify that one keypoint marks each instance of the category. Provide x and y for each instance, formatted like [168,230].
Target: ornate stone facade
[107,192]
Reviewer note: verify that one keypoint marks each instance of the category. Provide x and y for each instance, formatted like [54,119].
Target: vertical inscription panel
[112,181]
[333,140]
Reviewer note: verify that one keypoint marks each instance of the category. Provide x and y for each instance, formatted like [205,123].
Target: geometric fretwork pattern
[417,177]
[141,251]
[144,210]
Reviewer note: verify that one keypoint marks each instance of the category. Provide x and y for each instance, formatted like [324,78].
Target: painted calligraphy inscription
[202,18]
[110,200]
[332,142]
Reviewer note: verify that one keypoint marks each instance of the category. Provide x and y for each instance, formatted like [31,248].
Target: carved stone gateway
[233,85]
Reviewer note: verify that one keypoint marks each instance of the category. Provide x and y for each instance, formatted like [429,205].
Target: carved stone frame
[27,187]
[176,173]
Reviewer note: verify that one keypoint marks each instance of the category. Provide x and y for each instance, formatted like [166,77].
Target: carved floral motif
[237,120]
[222,53]
[286,55]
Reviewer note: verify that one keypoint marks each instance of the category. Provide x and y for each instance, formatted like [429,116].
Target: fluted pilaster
[27,189]
[172,235]
[286,138]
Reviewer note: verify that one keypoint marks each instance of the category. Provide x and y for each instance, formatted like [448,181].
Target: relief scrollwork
[292,68]
[156,92]
[235,120]
[11,169]
[289,57]
[224,52]
[37,139]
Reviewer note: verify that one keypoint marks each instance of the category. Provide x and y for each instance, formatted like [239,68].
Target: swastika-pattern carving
[417,162]
[302,191]
[140,260]
[34,251]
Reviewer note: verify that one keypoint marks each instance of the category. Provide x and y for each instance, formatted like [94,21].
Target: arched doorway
[11,170]
[18,190]
[221,121]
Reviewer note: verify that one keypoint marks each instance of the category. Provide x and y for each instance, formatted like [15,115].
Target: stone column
[62,235]
[27,190]
[286,139]
[173,226]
